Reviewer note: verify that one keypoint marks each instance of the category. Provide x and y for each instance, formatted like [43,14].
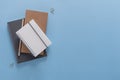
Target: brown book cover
[14,26]
[40,18]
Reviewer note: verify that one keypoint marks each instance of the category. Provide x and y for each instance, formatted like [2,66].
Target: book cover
[34,38]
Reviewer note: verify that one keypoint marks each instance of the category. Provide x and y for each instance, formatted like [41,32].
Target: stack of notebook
[28,36]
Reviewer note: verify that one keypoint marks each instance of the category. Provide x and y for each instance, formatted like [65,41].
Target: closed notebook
[33,37]
[40,18]
[14,26]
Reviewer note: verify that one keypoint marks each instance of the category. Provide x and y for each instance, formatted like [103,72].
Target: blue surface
[85,36]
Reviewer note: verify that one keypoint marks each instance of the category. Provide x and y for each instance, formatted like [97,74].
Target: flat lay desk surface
[85,37]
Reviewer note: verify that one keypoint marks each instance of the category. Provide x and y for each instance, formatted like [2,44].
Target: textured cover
[40,18]
[14,26]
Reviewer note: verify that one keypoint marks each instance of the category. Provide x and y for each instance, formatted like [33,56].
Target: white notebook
[34,38]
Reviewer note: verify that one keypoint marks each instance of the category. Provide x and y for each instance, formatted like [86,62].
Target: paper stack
[30,42]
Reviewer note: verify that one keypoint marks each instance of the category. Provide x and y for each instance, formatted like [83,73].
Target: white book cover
[34,38]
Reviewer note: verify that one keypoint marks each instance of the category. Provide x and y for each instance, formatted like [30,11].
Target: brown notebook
[41,20]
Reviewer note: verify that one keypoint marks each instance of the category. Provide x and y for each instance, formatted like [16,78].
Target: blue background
[85,36]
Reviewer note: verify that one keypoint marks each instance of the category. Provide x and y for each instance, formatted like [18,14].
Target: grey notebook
[13,27]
